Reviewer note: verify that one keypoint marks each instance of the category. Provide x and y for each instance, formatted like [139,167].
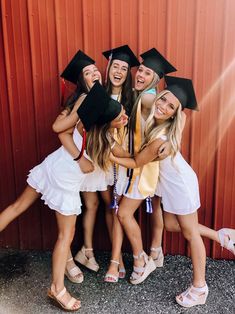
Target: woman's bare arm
[147,155]
[65,120]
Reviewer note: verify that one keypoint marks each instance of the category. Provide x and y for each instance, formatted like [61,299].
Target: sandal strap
[88,249]
[74,271]
[115,278]
[142,254]
[114,262]
[61,293]
[156,249]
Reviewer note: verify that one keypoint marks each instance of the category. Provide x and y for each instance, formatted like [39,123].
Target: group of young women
[127,160]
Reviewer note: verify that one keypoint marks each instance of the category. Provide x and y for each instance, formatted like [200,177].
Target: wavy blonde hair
[98,145]
[171,127]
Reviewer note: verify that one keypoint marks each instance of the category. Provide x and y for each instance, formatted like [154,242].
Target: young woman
[177,186]
[149,73]
[59,177]
[119,83]
[119,87]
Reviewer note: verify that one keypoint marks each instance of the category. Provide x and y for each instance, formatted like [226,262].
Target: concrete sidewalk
[25,277]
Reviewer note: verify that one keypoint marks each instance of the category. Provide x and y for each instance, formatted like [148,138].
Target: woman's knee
[123,215]
[66,235]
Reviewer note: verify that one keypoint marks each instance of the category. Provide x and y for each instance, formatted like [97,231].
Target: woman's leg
[118,233]
[91,201]
[171,224]
[23,202]
[143,265]
[107,198]
[190,230]
[66,229]
[117,240]
[157,226]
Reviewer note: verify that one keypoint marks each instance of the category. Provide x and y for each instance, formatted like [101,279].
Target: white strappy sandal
[110,277]
[227,239]
[74,274]
[193,296]
[139,274]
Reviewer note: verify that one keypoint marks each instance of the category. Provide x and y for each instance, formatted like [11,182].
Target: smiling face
[143,77]
[166,107]
[90,75]
[120,121]
[118,72]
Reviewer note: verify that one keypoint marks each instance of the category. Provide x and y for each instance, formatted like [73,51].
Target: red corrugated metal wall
[37,39]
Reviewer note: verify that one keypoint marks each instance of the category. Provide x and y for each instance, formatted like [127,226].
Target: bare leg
[157,228]
[23,202]
[190,230]
[171,224]
[126,212]
[109,215]
[91,203]
[66,229]
[117,239]
[107,198]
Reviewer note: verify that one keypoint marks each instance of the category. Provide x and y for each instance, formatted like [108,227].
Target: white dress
[178,186]
[58,178]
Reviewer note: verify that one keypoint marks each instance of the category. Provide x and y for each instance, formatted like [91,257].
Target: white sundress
[177,186]
[58,178]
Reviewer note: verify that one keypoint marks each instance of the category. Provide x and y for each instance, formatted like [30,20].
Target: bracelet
[77,158]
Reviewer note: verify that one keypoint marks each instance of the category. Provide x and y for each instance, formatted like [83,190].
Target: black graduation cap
[75,66]
[183,89]
[155,61]
[98,107]
[123,53]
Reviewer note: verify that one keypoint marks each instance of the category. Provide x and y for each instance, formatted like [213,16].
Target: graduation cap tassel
[62,91]
[114,203]
[149,207]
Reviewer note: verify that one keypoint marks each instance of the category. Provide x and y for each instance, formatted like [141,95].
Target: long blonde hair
[171,127]
[137,96]
[98,145]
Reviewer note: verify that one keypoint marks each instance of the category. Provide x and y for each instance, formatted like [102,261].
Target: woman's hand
[86,165]
[164,151]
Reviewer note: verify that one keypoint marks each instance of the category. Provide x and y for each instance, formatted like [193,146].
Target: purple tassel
[149,207]
[114,203]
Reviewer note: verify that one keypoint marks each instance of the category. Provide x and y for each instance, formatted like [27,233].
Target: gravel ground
[25,277]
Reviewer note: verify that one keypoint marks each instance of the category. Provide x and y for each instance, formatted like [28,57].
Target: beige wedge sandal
[88,262]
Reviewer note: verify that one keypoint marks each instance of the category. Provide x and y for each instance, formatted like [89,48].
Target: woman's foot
[157,255]
[64,300]
[112,274]
[86,257]
[143,266]
[73,272]
[193,296]
[227,239]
